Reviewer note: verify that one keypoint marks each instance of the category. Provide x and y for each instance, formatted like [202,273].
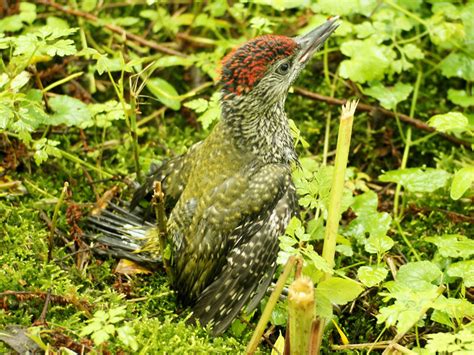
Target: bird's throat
[262,131]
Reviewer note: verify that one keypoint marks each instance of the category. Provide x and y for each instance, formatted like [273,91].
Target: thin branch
[378,345]
[82,305]
[113,28]
[369,108]
[42,318]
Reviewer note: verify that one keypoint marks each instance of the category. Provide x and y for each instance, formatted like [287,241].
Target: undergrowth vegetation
[93,92]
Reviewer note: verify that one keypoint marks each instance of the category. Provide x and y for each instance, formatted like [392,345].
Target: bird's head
[266,66]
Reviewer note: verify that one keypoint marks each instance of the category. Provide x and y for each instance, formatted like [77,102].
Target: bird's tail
[120,233]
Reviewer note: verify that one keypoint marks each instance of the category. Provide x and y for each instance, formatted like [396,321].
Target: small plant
[106,324]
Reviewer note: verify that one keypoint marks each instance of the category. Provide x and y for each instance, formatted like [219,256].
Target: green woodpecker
[231,195]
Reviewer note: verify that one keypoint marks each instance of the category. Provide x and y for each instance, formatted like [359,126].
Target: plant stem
[335,196]
[408,143]
[272,300]
[327,131]
[300,315]
[407,241]
[337,188]
[158,201]
[54,220]
[406,12]
[62,81]
[75,159]
[130,119]
[326,65]
[134,134]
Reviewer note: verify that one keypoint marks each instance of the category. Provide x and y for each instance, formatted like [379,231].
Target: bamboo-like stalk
[335,196]
[337,187]
[300,315]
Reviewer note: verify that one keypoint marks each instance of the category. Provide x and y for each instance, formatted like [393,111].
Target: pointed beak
[310,42]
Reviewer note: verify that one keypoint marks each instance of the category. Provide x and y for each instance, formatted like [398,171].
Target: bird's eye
[283,68]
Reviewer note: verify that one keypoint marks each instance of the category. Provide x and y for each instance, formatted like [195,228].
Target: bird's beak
[314,39]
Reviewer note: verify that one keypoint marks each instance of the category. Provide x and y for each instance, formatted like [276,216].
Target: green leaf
[26,44]
[103,114]
[100,336]
[379,243]
[449,122]
[338,290]
[398,314]
[345,250]
[3,79]
[57,23]
[447,10]
[19,81]
[68,110]
[444,34]
[27,12]
[117,314]
[460,97]
[197,105]
[365,29]
[370,221]
[105,64]
[447,343]
[281,5]
[279,314]
[88,5]
[317,260]
[61,48]
[454,307]
[389,97]
[462,181]
[16,22]
[369,60]
[91,328]
[453,245]
[6,115]
[164,92]
[458,65]
[126,335]
[345,7]
[262,25]
[417,179]
[31,112]
[170,61]
[371,275]
[323,305]
[463,269]
[419,275]
[11,24]
[210,109]
[412,51]
[45,148]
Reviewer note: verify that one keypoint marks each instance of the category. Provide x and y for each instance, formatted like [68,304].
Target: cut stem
[337,188]
[272,301]
[335,196]
[300,315]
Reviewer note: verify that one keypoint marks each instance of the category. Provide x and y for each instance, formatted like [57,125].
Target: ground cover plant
[92,93]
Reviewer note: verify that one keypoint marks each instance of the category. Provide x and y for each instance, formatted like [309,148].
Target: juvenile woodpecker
[231,195]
